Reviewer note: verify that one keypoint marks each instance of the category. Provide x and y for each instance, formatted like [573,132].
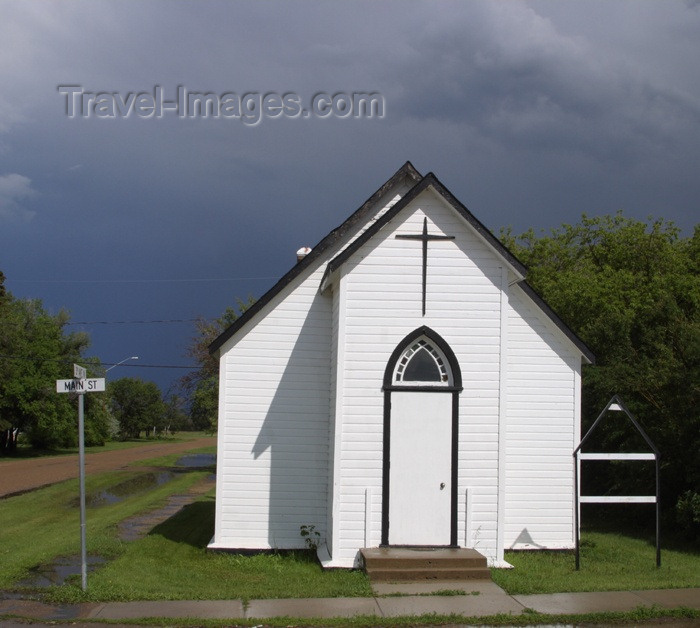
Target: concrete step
[424,562]
[412,564]
[412,575]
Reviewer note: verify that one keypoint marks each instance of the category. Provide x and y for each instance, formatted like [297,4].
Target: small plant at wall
[311,536]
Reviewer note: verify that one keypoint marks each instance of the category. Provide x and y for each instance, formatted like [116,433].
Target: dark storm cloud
[530,112]
[516,78]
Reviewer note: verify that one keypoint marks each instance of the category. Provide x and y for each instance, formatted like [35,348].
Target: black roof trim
[429,180]
[407,171]
[542,304]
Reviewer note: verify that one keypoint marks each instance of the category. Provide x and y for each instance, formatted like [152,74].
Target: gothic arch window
[423,360]
[422,363]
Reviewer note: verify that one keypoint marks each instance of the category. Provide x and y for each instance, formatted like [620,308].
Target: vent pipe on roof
[303,252]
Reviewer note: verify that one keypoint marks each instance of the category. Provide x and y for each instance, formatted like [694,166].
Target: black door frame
[454,389]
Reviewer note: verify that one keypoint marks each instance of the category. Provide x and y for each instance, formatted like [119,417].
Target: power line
[142,322]
[201,280]
[101,364]
[132,322]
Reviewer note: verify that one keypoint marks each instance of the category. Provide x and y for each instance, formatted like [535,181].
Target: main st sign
[96,384]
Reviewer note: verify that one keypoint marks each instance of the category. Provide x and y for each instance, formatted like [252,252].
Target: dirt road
[24,475]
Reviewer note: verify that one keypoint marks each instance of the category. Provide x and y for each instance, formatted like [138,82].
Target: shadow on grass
[193,525]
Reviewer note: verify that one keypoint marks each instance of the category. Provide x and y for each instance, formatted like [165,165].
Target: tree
[36,352]
[202,385]
[99,422]
[631,291]
[204,404]
[174,417]
[137,405]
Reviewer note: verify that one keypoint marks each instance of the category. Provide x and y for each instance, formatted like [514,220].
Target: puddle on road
[59,571]
[118,492]
[196,460]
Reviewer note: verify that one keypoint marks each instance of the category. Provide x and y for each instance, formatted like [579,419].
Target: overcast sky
[531,113]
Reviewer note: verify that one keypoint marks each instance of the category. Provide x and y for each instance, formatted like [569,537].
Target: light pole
[133,357]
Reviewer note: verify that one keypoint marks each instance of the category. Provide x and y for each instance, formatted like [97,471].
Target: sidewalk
[481,599]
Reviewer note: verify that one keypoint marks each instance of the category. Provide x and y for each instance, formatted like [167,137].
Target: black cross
[424,237]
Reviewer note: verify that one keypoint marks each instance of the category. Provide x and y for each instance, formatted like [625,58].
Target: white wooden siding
[542,380]
[273,423]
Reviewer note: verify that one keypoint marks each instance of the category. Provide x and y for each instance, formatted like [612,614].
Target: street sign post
[81,385]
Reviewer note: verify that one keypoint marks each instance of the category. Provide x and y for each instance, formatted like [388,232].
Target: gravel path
[24,475]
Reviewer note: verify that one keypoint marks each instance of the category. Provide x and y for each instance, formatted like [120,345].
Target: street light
[133,357]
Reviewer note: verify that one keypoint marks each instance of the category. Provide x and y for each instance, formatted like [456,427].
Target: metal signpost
[616,405]
[80,384]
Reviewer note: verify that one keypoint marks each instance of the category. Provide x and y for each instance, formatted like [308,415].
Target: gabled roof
[362,215]
[429,180]
[358,218]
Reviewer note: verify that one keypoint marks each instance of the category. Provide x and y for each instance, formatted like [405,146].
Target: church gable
[426,262]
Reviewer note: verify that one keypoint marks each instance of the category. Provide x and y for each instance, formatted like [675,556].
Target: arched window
[422,363]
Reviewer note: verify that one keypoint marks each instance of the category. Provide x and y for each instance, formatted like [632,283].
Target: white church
[402,385]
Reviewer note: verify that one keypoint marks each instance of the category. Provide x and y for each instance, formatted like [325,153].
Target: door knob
[442,485]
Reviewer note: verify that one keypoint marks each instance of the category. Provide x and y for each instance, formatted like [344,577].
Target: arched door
[422,383]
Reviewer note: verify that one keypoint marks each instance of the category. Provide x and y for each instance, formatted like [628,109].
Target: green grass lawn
[43,524]
[609,562]
[172,561]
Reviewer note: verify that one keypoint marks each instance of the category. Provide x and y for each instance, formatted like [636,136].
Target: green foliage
[631,291]
[175,417]
[688,514]
[137,405]
[99,427]
[36,352]
[202,385]
[205,404]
